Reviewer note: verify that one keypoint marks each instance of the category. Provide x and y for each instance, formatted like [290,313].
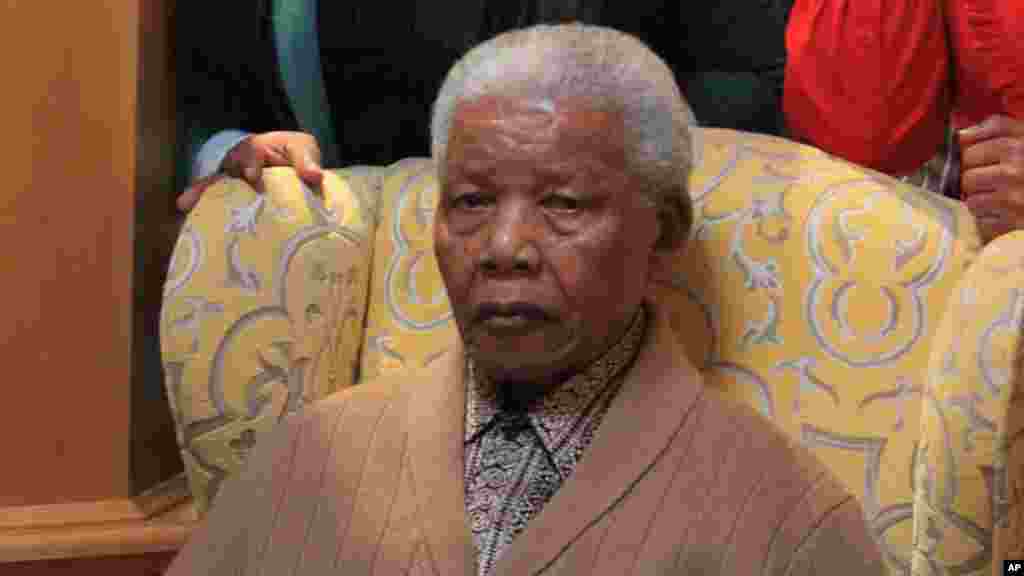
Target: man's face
[542,237]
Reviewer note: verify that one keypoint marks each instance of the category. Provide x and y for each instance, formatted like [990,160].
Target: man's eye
[562,203]
[471,201]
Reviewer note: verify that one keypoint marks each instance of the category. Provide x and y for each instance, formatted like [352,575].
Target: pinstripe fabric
[676,481]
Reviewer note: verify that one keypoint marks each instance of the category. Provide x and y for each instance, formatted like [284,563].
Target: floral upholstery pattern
[857,313]
[409,321]
[819,286]
[263,311]
[969,475]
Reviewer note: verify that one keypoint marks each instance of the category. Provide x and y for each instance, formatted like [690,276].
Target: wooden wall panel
[66,184]
[87,223]
[87,226]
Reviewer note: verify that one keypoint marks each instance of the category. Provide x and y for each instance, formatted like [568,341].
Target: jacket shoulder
[369,401]
[377,392]
[797,508]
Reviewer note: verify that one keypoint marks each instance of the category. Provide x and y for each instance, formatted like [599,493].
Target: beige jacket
[676,481]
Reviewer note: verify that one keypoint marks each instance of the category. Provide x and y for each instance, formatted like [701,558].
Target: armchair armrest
[262,312]
[969,471]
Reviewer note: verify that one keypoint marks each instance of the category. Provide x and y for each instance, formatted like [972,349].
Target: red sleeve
[867,83]
[990,50]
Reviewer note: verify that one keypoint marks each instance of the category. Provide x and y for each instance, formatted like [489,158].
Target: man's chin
[520,369]
[532,356]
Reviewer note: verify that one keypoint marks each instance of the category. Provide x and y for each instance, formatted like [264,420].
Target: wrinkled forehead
[508,126]
[575,115]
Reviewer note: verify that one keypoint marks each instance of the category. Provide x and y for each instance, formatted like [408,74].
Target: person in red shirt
[928,90]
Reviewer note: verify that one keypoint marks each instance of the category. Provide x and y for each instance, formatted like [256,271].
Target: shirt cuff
[211,154]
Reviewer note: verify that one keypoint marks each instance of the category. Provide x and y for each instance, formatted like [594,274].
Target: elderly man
[566,433]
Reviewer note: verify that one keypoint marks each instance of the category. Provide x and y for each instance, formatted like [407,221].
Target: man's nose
[511,246]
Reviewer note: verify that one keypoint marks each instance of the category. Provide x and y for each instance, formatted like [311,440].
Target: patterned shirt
[517,460]
[941,174]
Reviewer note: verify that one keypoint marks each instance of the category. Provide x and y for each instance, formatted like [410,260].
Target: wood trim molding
[158,499]
[158,520]
[149,564]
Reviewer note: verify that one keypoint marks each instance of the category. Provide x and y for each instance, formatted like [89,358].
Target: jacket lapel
[655,399]
[436,407]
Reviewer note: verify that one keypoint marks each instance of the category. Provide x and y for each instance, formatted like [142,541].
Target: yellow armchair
[857,313]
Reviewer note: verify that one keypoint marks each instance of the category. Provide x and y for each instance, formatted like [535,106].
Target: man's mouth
[510,315]
[507,322]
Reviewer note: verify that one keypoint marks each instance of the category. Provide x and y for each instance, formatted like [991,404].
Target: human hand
[248,158]
[992,174]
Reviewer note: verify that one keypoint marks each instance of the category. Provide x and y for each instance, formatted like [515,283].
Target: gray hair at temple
[609,70]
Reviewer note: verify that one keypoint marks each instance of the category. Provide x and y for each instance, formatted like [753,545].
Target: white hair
[608,70]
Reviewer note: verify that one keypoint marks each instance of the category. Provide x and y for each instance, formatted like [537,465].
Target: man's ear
[674,220]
